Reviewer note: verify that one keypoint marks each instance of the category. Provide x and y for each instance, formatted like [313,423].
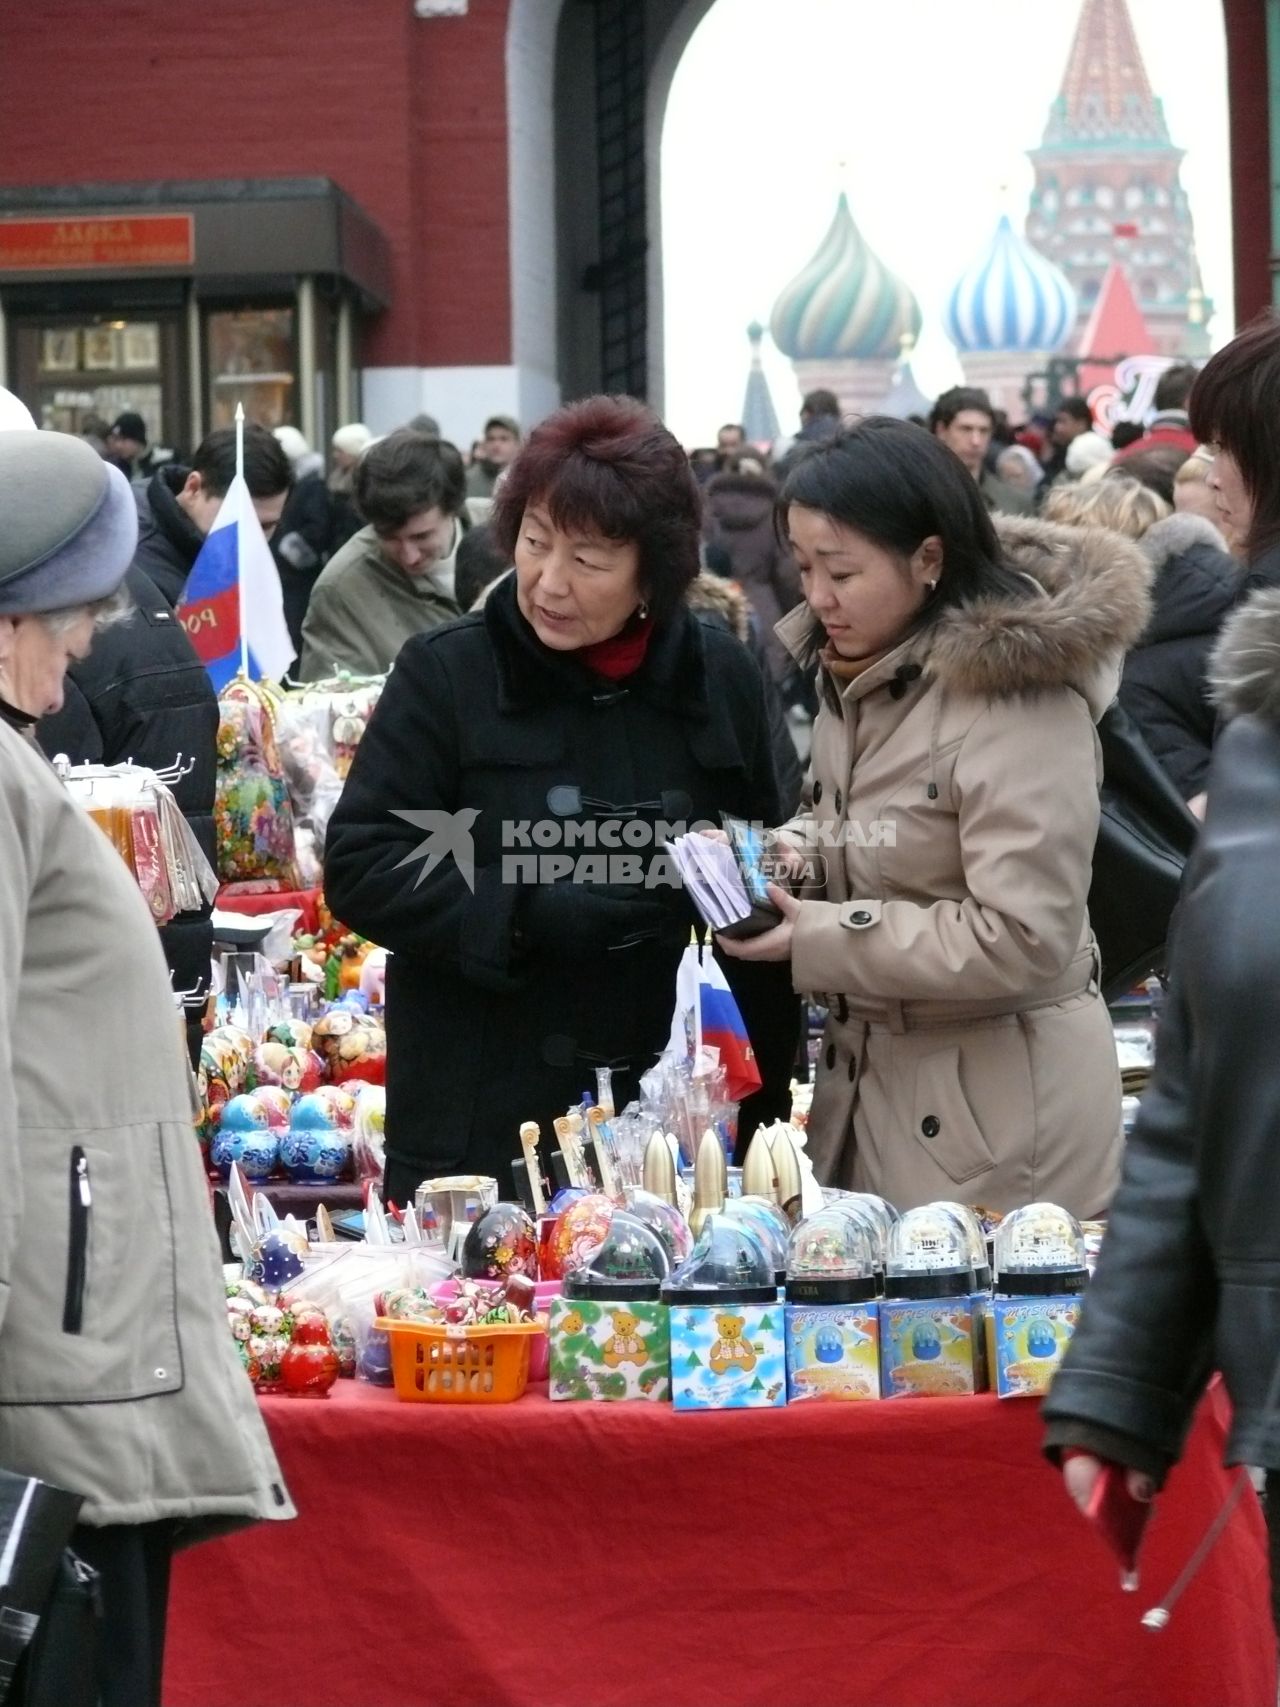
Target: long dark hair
[897,485]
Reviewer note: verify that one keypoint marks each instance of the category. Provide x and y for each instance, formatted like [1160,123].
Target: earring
[642,611]
[932,586]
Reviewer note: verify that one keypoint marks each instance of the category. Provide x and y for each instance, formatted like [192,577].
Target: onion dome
[1011,298]
[846,305]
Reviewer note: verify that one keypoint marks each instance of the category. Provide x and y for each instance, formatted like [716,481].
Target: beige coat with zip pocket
[118,1376]
[953,801]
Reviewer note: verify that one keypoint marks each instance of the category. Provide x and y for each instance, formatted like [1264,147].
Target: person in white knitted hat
[346,447]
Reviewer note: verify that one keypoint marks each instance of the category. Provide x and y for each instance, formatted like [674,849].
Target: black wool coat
[1189,1275]
[484,1032]
[1164,688]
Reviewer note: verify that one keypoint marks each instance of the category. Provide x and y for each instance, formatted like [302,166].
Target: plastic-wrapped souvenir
[370,1148]
[502,1242]
[252,813]
[310,1366]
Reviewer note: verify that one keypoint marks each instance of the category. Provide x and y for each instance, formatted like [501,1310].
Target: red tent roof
[1114,328]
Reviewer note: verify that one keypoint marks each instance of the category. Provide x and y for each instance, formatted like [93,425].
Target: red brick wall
[407,114]
[459,151]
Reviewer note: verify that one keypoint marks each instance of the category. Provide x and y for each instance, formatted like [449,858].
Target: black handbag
[1145,836]
[60,1665]
[50,1609]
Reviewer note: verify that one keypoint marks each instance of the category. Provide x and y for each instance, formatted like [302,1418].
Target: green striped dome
[846,304]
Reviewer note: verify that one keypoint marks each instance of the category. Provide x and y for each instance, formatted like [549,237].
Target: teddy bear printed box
[608,1350]
[728,1356]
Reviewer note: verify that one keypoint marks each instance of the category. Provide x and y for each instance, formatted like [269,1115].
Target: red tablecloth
[890,1555]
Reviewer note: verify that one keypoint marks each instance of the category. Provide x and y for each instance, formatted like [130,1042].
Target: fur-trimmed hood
[713,595]
[1095,601]
[1176,535]
[1244,671]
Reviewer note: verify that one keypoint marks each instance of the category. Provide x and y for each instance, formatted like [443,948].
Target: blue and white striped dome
[1011,298]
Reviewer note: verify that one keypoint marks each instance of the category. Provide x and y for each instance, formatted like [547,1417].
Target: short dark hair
[1077,407]
[477,564]
[733,427]
[1126,433]
[1233,404]
[1155,467]
[267,471]
[820,402]
[609,464]
[955,402]
[897,485]
[1174,385]
[407,472]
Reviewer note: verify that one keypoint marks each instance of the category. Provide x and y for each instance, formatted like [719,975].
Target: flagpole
[244,629]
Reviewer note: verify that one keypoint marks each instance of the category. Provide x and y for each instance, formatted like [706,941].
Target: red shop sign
[138,240]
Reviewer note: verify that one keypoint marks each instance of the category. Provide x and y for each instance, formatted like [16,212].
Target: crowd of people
[591,623]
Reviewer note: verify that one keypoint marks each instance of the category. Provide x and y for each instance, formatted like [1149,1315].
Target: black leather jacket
[1189,1277]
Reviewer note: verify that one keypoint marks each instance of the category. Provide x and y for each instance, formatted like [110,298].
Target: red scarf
[622,655]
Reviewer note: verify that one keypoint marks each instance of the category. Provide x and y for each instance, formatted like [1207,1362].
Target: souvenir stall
[658,1428]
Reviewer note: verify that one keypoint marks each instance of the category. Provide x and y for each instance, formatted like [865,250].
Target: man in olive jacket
[395,578]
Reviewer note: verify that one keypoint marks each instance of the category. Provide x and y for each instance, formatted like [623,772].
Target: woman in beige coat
[118,1377]
[953,812]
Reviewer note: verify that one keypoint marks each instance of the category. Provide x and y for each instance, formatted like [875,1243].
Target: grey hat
[68,524]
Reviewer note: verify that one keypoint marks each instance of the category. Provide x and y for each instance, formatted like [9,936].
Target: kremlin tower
[1007,313]
[1108,187]
[842,319]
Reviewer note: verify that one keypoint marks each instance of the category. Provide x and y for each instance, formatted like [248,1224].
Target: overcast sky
[922,110]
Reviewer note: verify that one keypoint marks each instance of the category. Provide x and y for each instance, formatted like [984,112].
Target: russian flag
[723,1029]
[232,608]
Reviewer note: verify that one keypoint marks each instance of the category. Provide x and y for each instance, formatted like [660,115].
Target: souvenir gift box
[609,1351]
[928,1344]
[832,1317]
[609,1330]
[727,1346]
[1040,1274]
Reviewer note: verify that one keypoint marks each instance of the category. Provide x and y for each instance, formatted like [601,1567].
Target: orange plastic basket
[445,1365]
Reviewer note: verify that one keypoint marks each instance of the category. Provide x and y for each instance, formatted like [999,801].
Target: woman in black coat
[1189,1275]
[501,830]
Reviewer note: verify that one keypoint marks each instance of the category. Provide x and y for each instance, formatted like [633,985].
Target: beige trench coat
[953,795]
[118,1376]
